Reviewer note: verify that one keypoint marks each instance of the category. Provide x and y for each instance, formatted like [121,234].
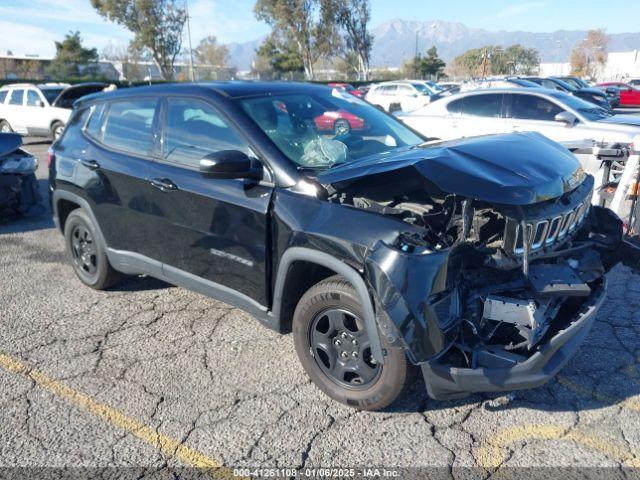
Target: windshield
[423,89]
[434,86]
[588,110]
[321,129]
[51,93]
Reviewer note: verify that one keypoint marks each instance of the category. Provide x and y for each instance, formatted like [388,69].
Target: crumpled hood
[512,169]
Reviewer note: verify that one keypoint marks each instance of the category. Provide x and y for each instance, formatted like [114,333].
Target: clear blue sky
[31,26]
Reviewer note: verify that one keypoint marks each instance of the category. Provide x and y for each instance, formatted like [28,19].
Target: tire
[341,127]
[5,127]
[56,130]
[88,255]
[332,306]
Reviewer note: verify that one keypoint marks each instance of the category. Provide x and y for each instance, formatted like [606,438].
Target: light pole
[186,10]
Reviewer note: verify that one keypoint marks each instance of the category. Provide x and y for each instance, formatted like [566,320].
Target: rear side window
[32,98]
[16,97]
[194,129]
[128,126]
[73,130]
[530,107]
[94,126]
[3,95]
[483,105]
[455,106]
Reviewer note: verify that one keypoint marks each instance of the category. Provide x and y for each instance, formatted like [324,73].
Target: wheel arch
[297,268]
[64,202]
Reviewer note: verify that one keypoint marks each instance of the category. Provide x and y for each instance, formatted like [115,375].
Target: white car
[41,110]
[402,95]
[557,115]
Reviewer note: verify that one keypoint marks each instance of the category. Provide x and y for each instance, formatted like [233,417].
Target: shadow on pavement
[38,217]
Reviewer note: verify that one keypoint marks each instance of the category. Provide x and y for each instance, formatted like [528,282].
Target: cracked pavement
[215,382]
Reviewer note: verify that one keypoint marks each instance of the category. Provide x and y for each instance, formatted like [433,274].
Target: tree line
[306,36]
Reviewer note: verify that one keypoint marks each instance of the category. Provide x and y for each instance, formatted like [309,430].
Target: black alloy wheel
[84,250]
[341,348]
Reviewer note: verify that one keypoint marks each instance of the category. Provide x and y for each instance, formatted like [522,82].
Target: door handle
[90,164]
[164,184]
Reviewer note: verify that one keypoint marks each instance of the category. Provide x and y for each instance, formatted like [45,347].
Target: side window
[16,97]
[72,132]
[33,98]
[3,95]
[96,121]
[129,126]
[530,107]
[405,90]
[455,106]
[483,105]
[194,129]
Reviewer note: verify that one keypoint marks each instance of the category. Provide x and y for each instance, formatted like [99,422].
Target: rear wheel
[5,127]
[334,348]
[56,130]
[88,255]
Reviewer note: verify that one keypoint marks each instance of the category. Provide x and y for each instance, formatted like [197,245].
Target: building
[619,66]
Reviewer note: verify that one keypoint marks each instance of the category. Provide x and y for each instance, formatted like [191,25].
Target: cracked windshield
[320,130]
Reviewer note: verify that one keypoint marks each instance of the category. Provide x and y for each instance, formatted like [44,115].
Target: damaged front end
[487,295]
[18,184]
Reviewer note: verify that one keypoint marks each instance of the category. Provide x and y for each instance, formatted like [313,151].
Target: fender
[352,276]
[75,198]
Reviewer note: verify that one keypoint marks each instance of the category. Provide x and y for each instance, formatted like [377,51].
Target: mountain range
[395,42]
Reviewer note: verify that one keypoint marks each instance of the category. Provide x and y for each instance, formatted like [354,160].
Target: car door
[36,113]
[15,111]
[408,98]
[532,113]
[629,95]
[481,115]
[114,172]
[212,230]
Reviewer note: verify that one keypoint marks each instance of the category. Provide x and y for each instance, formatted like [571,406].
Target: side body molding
[352,276]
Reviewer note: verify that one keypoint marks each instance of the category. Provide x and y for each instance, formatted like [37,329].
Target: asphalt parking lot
[155,377]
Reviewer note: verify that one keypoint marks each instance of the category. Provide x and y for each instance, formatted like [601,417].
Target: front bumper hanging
[444,382]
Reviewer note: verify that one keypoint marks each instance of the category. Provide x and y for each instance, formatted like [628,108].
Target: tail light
[50,157]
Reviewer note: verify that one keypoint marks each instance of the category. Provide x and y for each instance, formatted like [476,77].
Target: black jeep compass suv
[480,260]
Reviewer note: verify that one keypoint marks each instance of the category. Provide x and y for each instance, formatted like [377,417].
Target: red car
[340,122]
[348,87]
[629,95]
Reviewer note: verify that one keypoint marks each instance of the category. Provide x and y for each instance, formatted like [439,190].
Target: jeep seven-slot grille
[546,232]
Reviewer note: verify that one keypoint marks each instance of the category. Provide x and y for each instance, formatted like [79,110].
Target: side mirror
[568,118]
[230,164]
[39,103]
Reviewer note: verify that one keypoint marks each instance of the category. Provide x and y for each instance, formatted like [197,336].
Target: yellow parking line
[138,429]
[492,454]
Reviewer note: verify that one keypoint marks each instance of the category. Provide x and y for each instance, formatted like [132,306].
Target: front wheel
[334,348]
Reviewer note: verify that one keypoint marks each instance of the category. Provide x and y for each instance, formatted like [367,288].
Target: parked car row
[558,115]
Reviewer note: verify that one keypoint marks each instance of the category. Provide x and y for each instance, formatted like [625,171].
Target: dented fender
[404,286]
